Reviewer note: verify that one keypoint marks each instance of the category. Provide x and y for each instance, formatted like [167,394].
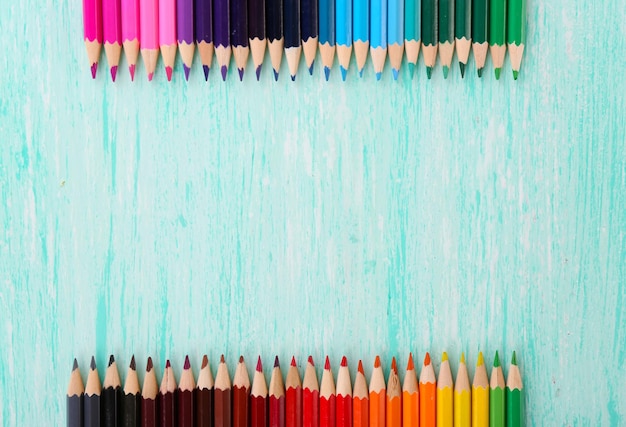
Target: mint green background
[327,218]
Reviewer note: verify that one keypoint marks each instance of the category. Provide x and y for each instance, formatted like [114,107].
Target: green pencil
[412,32]
[496,395]
[446,34]
[514,396]
[497,34]
[463,32]
[429,34]
[480,31]
[516,33]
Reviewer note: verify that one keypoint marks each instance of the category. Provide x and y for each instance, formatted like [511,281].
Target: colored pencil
[496,395]
[428,394]
[75,397]
[462,396]
[394,397]
[308,28]
[256,33]
[395,34]
[360,400]
[343,32]
[327,35]
[276,397]
[185,32]
[378,43]
[258,398]
[480,395]
[91,402]
[293,42]
[92,31]
[130,33]
[241,390]
[430,36]
[185,396]
[410,396]
[310,396]
[293,396]
[203,15]
[221,36]
[204,395]
[361,32]
[149,29]
[274,33]
[480,30]
[446,34]
[412,32]
[111,395]
[445,393]
[516,33]
[497,34]
[239,34]
[131,398]
[343,405]
[149,395]
[378,396]
[112,33]
[167,398]
[463,32]
[167,35]
[222,396]
[328,395]
[514,396]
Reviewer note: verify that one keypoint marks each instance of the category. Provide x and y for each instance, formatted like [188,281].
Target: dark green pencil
[514,396]
[430,37]
[516,33]
[497,34]
[463,31]
[446,34]
[480,33]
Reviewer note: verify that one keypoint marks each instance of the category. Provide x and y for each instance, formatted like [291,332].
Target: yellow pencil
[445,394]
[480,395]
[462,397]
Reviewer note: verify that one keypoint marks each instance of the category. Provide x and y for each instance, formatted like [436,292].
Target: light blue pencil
[361,23]
[395,34]
[343,20]
[378,35]
[412,32]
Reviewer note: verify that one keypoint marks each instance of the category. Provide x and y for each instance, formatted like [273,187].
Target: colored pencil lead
[429,72]
[206,70]
[344,72]
[258,73]
[149,364]
[411,69]
[515,74]
[275,75]
[276,362]
[480,72]
[113,72]
[462,68]
[92,365]
[293,361]
[224,70]
[75,365]
[327,72]
[131,70]
[445,71]
[395,73]
[187,70]
[311,68]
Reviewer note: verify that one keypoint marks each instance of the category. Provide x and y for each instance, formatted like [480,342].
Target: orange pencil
[344,396]
[378,396]
[327,397]
[360,400]
[394,398]
[310,396]
[428,394]
[410,397]
[293,396]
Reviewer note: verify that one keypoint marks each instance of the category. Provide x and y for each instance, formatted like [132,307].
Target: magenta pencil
[112,29]
[149,29]
[92,30]
[130,33]
[185,32]
[167,35]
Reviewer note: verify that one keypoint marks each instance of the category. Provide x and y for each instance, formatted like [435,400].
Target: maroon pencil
[241,389]
[258,398]
[167,396]
[185,396]
[222,397]
[149,397]
[204,395]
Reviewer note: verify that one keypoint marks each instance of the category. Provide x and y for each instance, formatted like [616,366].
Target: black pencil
[111,391]
[167,397]
[75,396]
[274,33]
[204,395]
[131,399]
[92,396]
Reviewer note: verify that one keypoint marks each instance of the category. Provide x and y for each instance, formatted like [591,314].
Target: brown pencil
[149,397]
[75,396]
[258,398]
[185,396]
[241,389]
[277,397]
[167,397]
[222,396]
[131,398]
[204,395]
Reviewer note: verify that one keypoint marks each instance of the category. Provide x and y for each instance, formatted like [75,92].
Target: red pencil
[258,398]
[344,395]
[327,397]
[277,397]
[293,396]
[310,396]
[360,400]
[241,388]
[221,396]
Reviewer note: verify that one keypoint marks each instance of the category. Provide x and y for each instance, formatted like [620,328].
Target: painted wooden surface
[328,218]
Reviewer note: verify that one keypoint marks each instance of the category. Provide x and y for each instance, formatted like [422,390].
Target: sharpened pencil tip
[515,74]
[395,73]
[326,73]
[276,362]
[259,365]
[131,70]
[111,360]
[293,78]
[444,357]
[427,359]
[445,71]
[94,70]
[410,366]
[168,73]
[75,366]
[429,72]
[222,359]
[149,365]
[361,73]
[275,75]
[241,359]
[187,70]
[258,73]
[132,365]
[113,73]
[92,365]
[411,69]
[150,76]
[462,68]
[344,361]
[293,361]
[240,71]
[496,360]
[206,70]
[378,76]
[360,367]
[377,362]
[513,359]
[327,364]
[497,72]
[168,364]
[311,68]
[224,71]
[310,360]
[480,72]
[481,360]
[187,364]
[205,362]
[344,73]
[394,366]
[463,357]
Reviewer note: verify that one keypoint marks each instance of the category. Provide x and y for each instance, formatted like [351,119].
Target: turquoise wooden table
[355,218]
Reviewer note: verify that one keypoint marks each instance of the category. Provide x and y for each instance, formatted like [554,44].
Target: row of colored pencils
[429,402]
[384,28]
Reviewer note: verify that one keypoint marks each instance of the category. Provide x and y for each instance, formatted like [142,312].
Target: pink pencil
[167,34]
[149,27]
[112,29]
[92,29]
[130,33]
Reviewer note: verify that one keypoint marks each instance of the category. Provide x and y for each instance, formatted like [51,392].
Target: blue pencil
[378,35]
[327,34]
[309,30]
[395,34]
[361,36]
[344,35]
[412,32]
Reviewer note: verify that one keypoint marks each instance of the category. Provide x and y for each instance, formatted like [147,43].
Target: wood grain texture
[450,215]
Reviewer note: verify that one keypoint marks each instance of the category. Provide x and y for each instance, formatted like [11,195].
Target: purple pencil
[204,33]
[221,35]
[239,34]
[184,14]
